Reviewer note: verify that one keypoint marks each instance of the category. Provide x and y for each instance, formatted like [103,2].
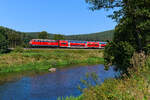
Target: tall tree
[133,17]
[3,42]
[14,38]
[43,35]
[132,31]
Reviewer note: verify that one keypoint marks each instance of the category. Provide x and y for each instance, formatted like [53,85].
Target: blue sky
[54,16]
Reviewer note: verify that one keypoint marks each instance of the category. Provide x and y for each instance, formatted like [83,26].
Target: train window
[77,41]
[63,43]
[52,41]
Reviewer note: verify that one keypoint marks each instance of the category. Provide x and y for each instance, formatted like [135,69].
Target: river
[50,86]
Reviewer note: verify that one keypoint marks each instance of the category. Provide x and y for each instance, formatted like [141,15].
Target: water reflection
[49,86]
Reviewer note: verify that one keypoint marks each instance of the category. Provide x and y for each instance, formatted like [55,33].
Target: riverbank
[39,60]
[135,87]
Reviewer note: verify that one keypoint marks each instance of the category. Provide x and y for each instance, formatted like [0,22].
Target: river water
[50,86]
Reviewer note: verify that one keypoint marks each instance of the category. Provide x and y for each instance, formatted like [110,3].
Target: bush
[118,54]
[147,49]
[19,49]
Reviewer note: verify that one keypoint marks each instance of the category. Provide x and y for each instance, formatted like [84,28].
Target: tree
[14,38]
[3,43]
[133,29]
[43,35]
[26,38]
[118,54]
[58,37]
[133,17]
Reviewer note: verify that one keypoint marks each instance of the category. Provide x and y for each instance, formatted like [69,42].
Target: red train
[66,43]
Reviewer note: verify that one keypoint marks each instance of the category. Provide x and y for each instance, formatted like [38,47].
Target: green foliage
[100,36]
[133,17]
[71,98]
[127,30]
[3,43]
[43,35]
[118,54]
[147,49]
[58,37]
[15,38]
[18,49]
[90,81]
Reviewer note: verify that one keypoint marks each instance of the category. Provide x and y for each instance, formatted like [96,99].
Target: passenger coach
[66,43]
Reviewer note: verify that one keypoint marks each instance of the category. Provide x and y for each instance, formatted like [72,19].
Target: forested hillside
[17,38]
[34,35]
[100,36]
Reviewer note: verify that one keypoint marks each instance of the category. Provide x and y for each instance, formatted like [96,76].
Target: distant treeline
[100,36]
[17,38]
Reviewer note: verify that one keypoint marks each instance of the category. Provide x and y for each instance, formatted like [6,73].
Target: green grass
[45,59]
[71,98]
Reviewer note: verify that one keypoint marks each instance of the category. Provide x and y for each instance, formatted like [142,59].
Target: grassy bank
[135,87]
[45,59]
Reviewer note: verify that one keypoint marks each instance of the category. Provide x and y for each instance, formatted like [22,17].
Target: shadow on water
[48,86]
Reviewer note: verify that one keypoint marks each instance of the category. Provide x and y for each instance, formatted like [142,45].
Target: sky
[67,17]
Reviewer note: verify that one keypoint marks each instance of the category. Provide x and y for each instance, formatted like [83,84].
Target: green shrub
[71,98]
[147,49]
[19,49]
[119,54]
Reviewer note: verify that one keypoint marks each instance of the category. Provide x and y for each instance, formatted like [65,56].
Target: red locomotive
[66,43]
